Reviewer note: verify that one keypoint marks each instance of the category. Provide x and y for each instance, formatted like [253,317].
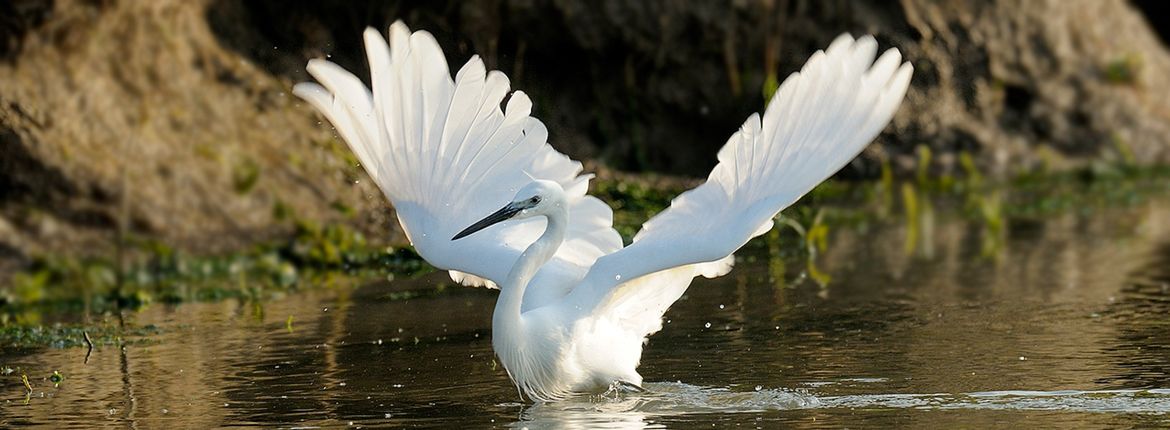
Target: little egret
[575,306]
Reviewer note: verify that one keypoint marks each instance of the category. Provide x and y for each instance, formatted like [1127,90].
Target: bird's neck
[507,315]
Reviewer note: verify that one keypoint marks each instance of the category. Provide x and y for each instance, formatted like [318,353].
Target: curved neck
[507,312]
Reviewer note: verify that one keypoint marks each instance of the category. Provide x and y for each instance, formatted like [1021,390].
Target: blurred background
[172,120]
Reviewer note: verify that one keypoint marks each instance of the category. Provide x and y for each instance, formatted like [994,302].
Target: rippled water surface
[1061,323]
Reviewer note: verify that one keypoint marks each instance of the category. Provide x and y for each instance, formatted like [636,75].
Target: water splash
[671,399]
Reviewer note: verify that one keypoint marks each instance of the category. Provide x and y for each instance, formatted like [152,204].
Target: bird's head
[538,198]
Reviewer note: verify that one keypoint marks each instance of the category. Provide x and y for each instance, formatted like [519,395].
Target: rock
[128,122]
[1005,79]
[130,117]
[660,85]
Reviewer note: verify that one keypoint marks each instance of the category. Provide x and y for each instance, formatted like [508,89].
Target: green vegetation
[245,175]
[771,85]
[314,256]
[633,203]
[1124,70]
[335,256]
[67,336]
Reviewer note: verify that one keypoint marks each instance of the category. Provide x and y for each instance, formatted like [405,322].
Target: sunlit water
[1062,323]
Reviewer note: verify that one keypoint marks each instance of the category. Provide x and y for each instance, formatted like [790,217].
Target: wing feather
[819,119]
[445,154]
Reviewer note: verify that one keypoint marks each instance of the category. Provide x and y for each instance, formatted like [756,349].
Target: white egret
[575,307]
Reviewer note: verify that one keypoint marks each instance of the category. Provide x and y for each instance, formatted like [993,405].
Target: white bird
[575,307]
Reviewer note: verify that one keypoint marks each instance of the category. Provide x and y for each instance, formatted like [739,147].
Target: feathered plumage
[444,153]
[575,307]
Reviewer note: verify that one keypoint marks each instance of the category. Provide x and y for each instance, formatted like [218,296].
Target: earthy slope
[170,120]
[131,113]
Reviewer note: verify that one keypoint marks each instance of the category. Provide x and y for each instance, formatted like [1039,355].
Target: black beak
[503,214]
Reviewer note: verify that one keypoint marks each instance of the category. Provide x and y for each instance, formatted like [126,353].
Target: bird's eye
[534,199]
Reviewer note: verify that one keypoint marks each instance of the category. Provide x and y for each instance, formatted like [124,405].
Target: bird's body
[575,306]
[554,350]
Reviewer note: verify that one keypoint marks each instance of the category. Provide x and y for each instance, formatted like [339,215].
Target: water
[1063,323]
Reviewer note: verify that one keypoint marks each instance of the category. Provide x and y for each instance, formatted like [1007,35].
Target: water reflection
[1141,350]
[610,414]
[1065,325]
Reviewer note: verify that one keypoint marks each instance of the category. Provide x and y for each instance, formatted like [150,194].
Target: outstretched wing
[819,119]
[446,155]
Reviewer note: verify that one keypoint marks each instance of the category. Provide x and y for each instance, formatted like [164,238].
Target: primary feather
[444,153]
[819,119]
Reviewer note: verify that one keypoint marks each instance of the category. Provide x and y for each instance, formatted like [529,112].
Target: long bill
[503,214]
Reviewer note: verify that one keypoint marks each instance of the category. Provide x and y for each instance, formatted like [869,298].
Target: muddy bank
[129,122]
[170,122]
[660,85]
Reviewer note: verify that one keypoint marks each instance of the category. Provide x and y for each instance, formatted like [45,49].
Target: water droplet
[617,277]
[707,325]
[720,306]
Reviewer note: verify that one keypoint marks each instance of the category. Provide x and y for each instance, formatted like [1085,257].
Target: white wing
[818,120]
[446,155]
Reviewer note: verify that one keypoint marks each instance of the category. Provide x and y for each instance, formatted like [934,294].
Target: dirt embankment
[171,120]
[130,118]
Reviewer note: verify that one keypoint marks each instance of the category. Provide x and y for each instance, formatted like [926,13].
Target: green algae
[62,335]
